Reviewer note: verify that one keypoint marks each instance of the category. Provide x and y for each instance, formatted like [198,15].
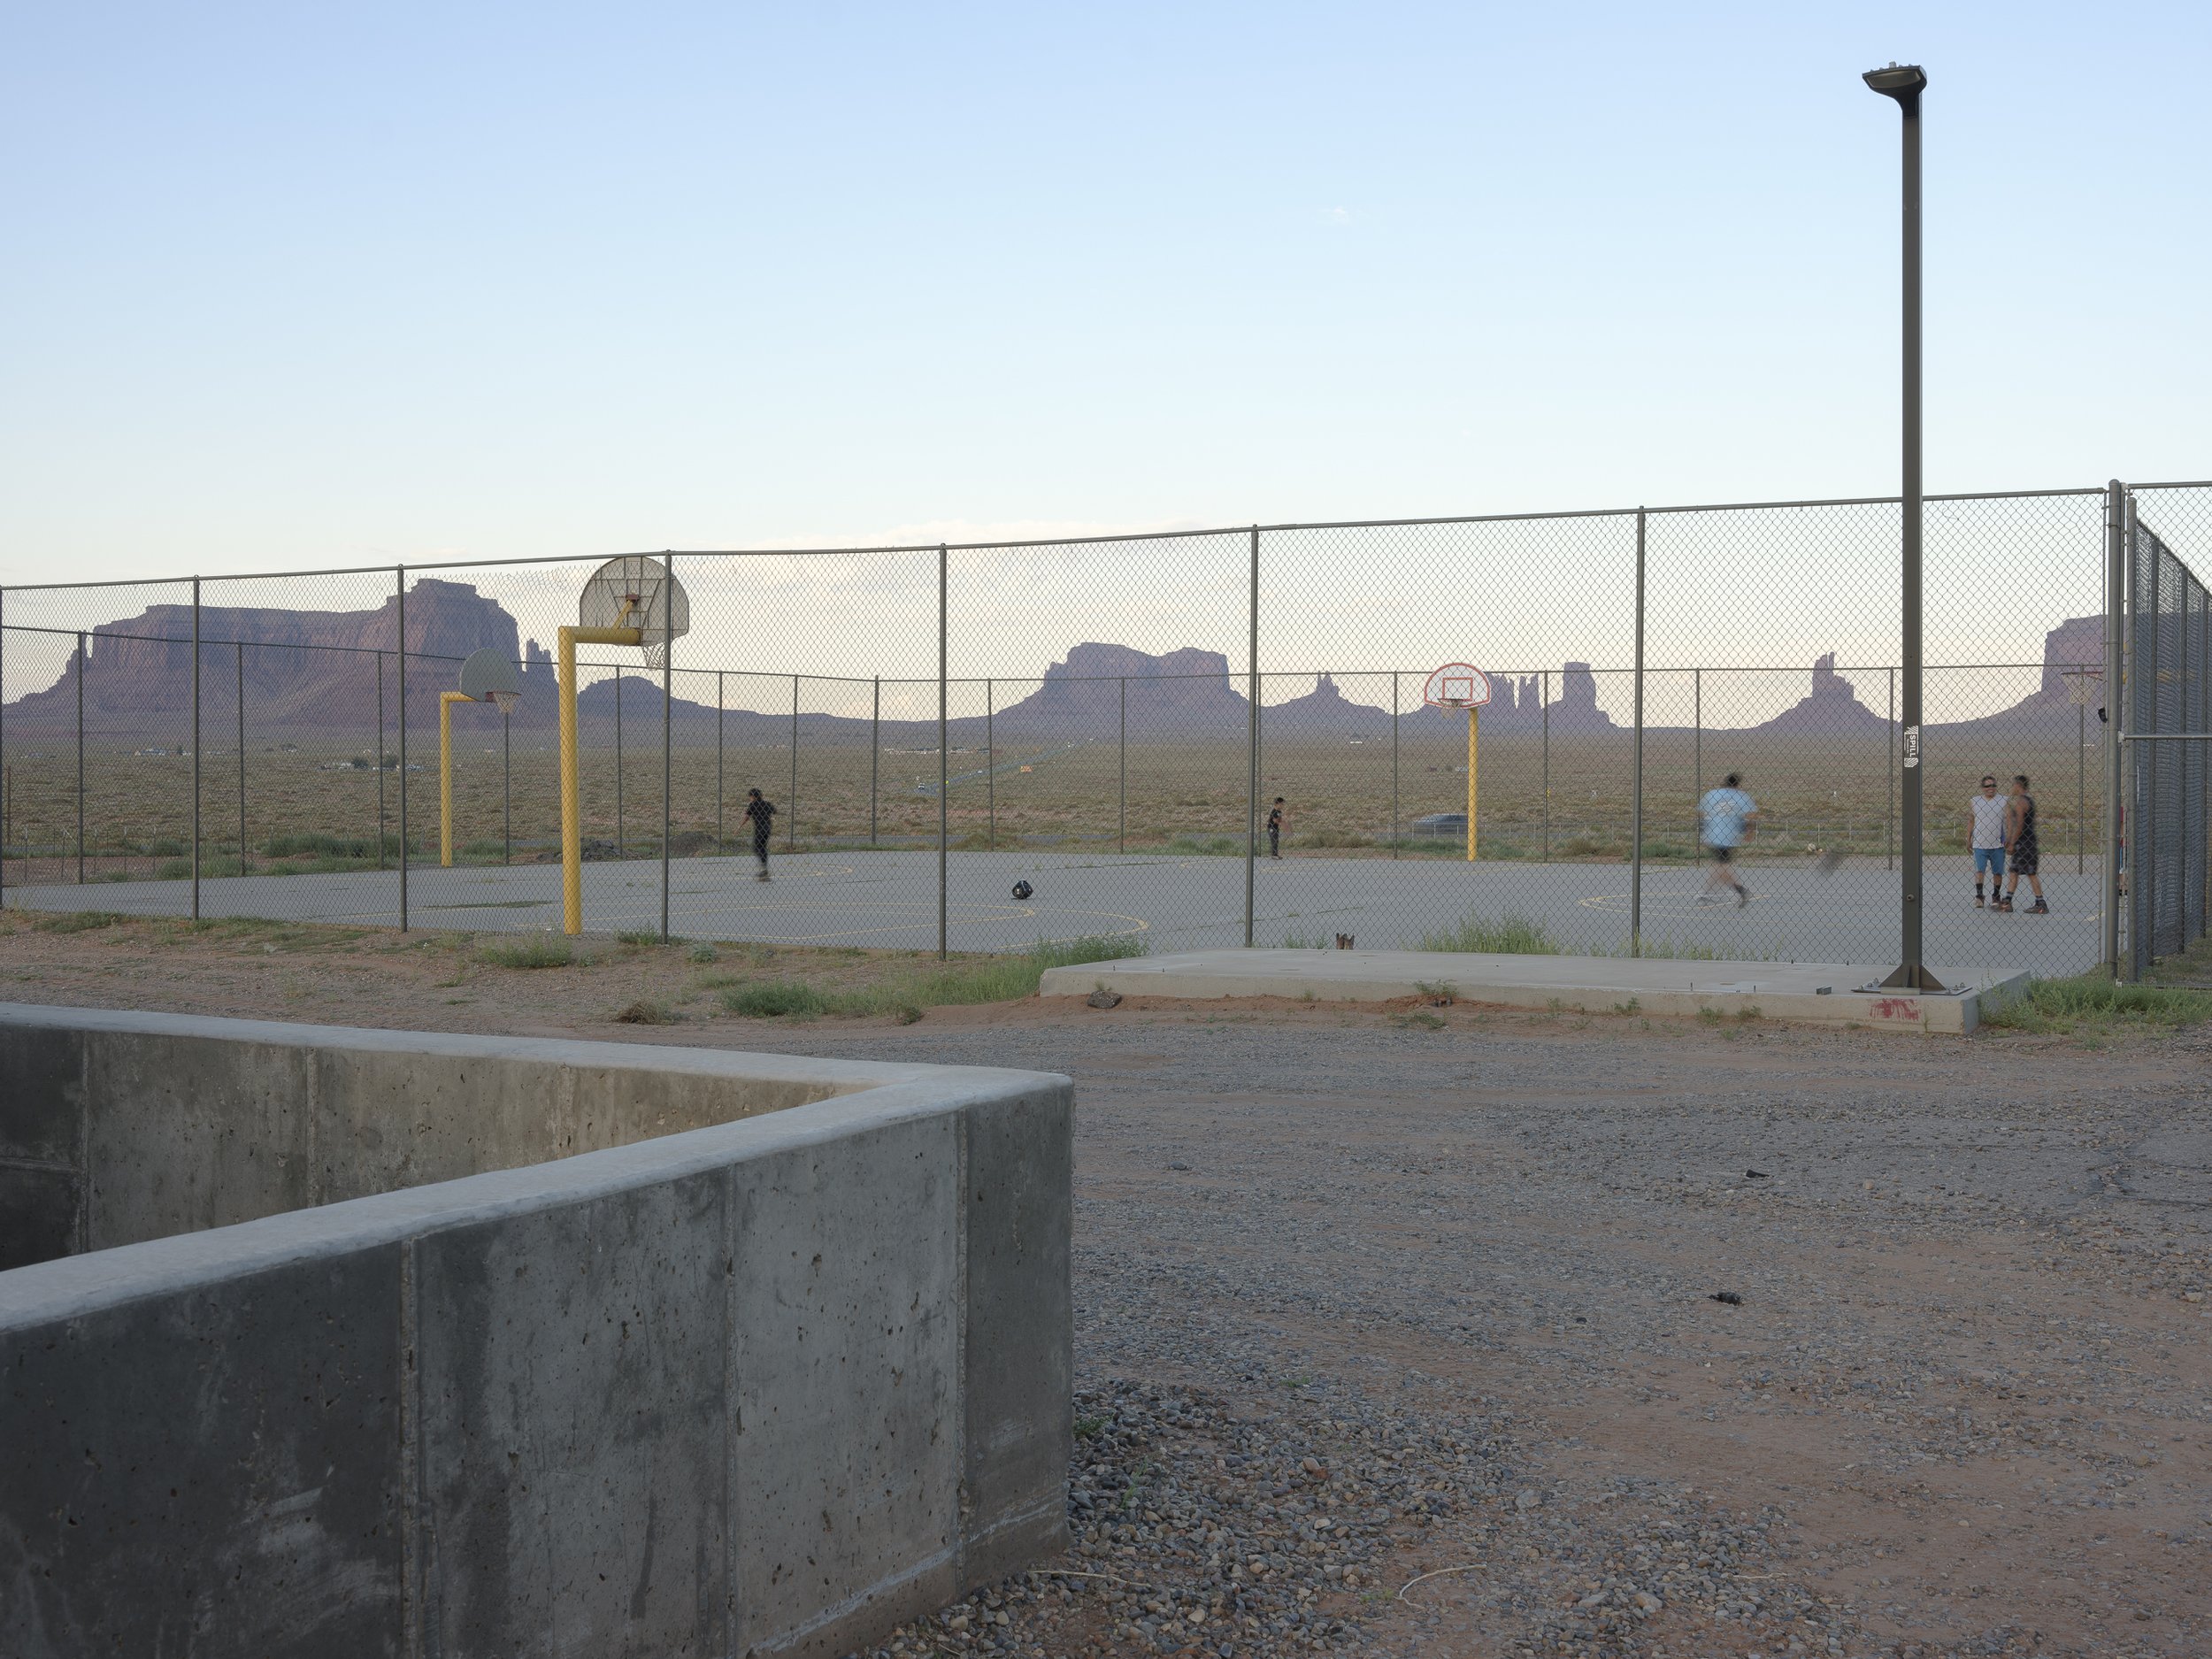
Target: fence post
[1252,739]
[791,813]
[196,749]
[2204,761]
[507,785]
[621,841]
[380,760]
[1636,802]
[875,758]
[80,668]
[2139,714]
[1122,834]
[1395,836]
[990,756]
[721,697]
[2081,788]
[1697,748]
[401,618]
[2115,582]
[944,770]
[241,758]
[1545,691]
[7,778]
[668,729]
[1889,812]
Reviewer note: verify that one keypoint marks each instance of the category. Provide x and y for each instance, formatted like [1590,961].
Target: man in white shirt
[1729,818]
[1986,812]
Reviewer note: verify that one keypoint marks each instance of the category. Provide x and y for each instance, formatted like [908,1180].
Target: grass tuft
[530,950]
[782,999]
[1511,936]
[646,1012]
[76,921]
[954,984]
[2092,1004]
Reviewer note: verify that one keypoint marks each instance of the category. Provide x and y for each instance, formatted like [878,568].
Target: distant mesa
[1831,709]
[141,670]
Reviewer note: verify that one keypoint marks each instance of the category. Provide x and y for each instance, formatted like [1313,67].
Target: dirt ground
[1963,1404]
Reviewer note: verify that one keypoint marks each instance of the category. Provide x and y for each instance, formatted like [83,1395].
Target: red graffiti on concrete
[1897,1007]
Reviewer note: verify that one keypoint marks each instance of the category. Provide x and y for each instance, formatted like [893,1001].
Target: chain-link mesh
[2170,710]
[1101,747]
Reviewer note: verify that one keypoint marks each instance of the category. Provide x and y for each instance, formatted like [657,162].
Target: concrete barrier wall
[766,1387]
[128,1127]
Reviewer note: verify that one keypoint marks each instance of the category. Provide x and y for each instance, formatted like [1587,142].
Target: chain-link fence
[2169,700]
[1211,738]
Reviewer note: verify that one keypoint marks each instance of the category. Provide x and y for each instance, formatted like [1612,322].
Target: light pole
[1905,82]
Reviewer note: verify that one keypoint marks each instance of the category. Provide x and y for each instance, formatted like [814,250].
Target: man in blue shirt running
[1729,817]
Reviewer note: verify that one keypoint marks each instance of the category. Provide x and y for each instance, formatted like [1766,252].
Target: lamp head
[1902,82]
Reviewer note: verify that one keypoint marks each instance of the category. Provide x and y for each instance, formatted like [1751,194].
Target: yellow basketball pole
[571,793]
[446,700]
[1472,725]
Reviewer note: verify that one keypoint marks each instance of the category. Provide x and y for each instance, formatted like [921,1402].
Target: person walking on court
[759,813]
[1728,817]
[1275,829]
[1987,812]
[2021,851]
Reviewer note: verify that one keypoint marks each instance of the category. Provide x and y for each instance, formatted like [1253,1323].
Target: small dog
[1344,941]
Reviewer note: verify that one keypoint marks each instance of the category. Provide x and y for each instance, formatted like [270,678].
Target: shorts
[1722,855]
[2027,858]
[1989,858]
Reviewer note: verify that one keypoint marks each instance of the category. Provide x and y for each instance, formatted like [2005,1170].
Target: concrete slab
[1826,993]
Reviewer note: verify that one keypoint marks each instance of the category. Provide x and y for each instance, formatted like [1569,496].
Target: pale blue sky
[296,286]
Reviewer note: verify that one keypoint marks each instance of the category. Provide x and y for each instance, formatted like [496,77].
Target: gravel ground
[1397,1336]
[1452,1291]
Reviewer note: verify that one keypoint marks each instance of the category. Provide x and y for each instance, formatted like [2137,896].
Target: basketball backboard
[637,592]
[488,676]
[1456,686]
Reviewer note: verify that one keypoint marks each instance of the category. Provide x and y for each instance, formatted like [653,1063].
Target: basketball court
[887,900]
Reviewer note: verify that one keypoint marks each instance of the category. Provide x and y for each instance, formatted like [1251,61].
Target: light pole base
[1912,978]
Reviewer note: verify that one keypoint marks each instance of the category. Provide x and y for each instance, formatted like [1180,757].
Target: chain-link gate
[2169,702]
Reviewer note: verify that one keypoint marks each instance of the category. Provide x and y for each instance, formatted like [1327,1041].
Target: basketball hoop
[486,677]
[1462,686]
[2084,687]
[1456,686]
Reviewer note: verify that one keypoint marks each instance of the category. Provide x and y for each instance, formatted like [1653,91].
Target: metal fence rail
[1113,720]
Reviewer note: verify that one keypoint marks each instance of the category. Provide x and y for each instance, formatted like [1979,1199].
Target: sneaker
[1977,901]
[1743,897]
[2039,909]
[2003,907]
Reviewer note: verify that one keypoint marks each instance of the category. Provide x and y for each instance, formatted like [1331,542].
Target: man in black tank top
[2022,855]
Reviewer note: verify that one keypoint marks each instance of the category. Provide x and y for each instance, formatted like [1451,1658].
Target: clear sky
[298,286]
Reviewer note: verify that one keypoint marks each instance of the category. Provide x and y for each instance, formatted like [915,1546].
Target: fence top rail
[1079,540]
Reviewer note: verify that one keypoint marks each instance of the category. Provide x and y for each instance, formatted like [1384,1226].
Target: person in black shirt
[2023,855]
[758,813]
[1275,830]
